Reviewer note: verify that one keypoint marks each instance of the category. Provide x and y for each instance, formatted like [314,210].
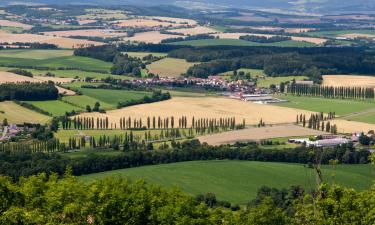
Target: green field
[238,181]
[335,33]
[54,107]
[143,54]
[53,59]
[110,97]
[365,117]
[169,67]
[253,72]
[238,42]
[35,54]
[267,81]
[15,113]
[341,107]
[82,101]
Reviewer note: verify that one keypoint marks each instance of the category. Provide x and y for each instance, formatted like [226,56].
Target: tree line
[26,91]
[361,93]
[265,39]
[23,162]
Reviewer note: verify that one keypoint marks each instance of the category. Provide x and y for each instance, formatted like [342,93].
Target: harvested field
[257,134]
[209,107]
[294,38]
[6,77]
[169,67]
[345,126]
[19,115]
[105,33]
[194,30]
[150,37]
[175,20]
[56,80]
[59,41]
[348,80]
[298,30]
[8,23]
[144,23]
[317,41]
[358,35]
[84,22]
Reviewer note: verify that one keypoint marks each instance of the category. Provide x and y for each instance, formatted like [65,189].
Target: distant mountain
[322,6]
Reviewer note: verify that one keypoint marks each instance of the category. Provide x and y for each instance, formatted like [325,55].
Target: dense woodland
[28,91]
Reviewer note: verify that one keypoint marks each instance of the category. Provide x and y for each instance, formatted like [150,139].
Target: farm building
[327,142]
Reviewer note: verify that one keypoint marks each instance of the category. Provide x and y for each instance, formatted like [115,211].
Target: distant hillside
[323,6]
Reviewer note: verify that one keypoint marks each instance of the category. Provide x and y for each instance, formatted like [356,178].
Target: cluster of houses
[7,132]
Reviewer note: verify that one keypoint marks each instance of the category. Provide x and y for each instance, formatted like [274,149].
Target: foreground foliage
[42,200]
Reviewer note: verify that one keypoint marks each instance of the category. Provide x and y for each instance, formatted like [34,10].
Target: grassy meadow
[54,107]
[341,107]
[238,181]
[82,101]
[267,81]
[169,67]
[15,113]
[335,33]
[53,59]
[238,42]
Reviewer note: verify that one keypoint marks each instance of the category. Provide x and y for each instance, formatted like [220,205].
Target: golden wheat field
[257,134]
[17,114]
[358,35]
[59,41]
[205,107]
[6,77]
[348,80]
[345,126]
[87,33]
[8,23]
[195,30]
[154,37]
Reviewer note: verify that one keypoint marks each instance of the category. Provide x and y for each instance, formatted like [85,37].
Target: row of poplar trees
[318,121]
[210,124]
[361,93]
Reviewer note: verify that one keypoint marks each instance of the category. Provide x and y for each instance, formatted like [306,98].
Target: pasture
[68,62]
[253,72]
[267,81]
[82,101]
[238,181]
[169,67]
[206,107]
[257,134]
[340,106]
[110,97]
[143,54]
[336,33]
[54,107]
[35,53]
[19,115]
[238,42]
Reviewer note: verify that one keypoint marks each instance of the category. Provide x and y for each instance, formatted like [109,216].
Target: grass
[238,181]
[12,29]
[53,59]
[143,54]
[365,118]
[55,107]
[169,67]
[238,42]
[82,101]
[267,81]
[35,54]
[253,72]
[341,107]
[335,33]
[109,98]
[70,73]
[85,153]
[17,114]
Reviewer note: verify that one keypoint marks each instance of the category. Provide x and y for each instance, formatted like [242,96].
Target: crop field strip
[15,113]
[238,181]
[169,67]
